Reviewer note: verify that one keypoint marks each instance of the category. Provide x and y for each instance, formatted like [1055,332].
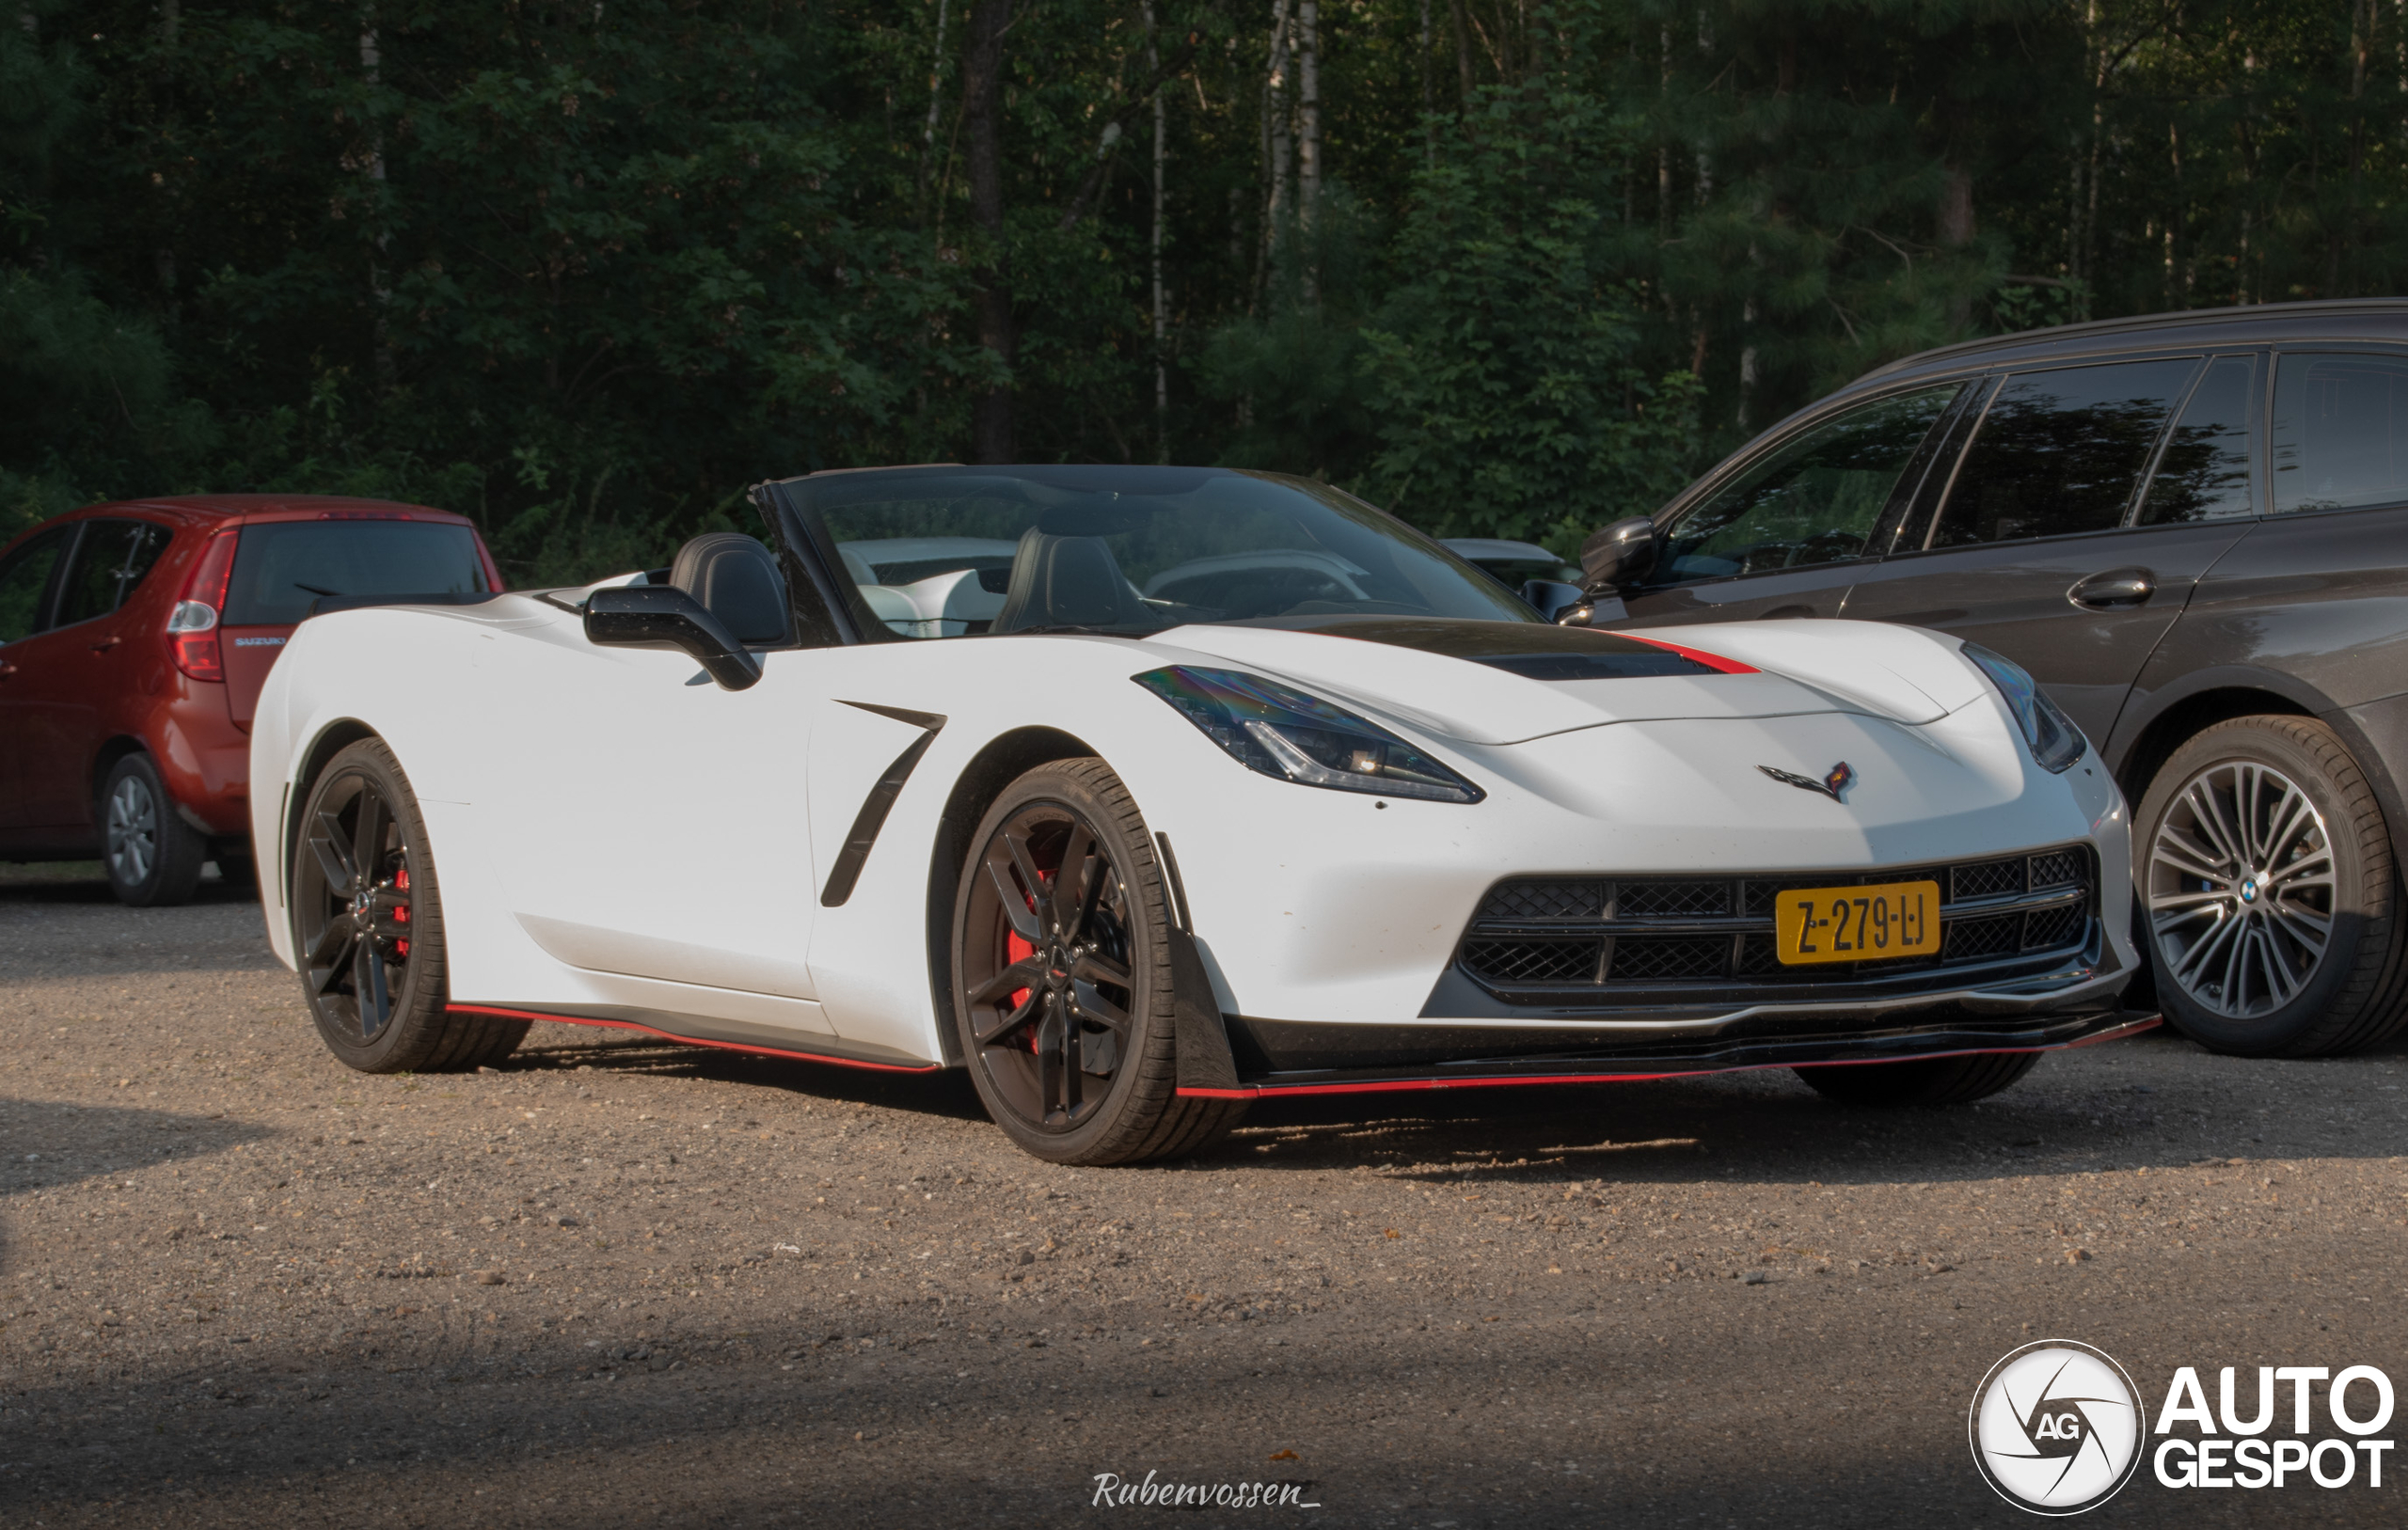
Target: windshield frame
[806,499]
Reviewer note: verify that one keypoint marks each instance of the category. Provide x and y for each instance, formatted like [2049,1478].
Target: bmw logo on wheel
[2056,1427]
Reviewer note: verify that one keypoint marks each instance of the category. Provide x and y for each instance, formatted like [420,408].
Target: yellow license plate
[1858,924]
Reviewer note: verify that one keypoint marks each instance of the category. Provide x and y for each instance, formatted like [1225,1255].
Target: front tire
[152,855]
[2270,893]
[1062,976]
[368,927]
[1923,1080]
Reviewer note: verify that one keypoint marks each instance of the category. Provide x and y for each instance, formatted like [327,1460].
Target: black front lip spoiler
[1960,1036]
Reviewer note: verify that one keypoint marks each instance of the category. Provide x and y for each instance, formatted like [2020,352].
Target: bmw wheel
[368,927]
[1062,976]
[2270,893]
[152,855]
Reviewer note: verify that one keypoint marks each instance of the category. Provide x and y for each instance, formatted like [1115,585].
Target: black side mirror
[1621,554]
[664,616]
[1551,598]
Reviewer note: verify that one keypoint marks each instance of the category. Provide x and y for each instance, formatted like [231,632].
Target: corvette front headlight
[2055,742]
[1281,732]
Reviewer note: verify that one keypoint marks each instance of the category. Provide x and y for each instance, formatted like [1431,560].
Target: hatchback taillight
[192,627]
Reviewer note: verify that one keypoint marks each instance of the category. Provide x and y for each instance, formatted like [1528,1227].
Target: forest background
[585,270]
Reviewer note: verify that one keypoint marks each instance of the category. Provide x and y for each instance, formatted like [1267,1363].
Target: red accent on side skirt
[696,1041]
[1392,1086]
[1696,655]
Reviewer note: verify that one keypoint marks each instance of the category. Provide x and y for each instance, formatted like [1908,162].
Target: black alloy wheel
[2269,893]
[1062,984]
[368,927]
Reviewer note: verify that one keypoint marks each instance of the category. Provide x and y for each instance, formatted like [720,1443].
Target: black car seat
[1067,582]
[736,580]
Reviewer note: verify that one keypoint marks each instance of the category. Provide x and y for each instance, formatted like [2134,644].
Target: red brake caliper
[402,911]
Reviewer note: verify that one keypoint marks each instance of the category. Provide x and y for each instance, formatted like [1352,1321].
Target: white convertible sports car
[937,782]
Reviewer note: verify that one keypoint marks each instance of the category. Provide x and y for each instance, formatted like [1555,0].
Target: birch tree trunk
[372,64]
[982,108]
[1429,134]
[1308,111]
[1162,294]
[1279,138]
[1462,25]
[936,87]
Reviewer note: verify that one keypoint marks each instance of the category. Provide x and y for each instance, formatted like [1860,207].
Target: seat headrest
[1066,581]
[736,580]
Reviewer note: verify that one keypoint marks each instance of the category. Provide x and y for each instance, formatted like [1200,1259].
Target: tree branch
[1091,185]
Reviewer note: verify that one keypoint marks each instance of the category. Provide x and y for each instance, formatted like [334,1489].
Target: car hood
[1506,682]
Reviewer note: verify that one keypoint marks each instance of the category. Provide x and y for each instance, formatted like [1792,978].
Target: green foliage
[1504,362]
[585,271]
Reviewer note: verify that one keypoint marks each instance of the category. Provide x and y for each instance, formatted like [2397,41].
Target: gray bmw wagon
[2193,531]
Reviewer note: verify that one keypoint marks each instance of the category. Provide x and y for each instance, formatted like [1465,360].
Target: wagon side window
[2060,452]
[2340,433]
[1815,499]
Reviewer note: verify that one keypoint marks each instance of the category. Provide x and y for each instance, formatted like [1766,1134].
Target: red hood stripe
[1712,661]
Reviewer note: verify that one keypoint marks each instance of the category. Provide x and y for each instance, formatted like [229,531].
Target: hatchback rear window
[281,568]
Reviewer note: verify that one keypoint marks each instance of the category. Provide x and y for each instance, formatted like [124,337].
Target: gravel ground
[624,1284]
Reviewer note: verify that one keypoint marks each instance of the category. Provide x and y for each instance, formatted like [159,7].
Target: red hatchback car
[134,640]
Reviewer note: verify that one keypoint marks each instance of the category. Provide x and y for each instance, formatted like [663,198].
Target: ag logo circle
[2056,1427]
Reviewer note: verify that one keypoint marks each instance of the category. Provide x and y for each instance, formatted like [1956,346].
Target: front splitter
[1696,1059]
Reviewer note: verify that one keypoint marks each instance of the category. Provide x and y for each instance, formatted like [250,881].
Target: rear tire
[1063,990]
[152,855]
[368,927]
[1924,1080]
[2270,893]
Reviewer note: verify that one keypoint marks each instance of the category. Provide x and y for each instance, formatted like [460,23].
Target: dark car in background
[2193,531]
[134,640]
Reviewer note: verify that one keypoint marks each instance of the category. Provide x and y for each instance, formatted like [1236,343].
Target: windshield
[281,568]
[951,552]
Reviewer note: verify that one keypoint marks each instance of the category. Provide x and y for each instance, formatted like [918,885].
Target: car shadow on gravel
[2067,1117]
[1767,1127]
[460,1434]
[45,1145]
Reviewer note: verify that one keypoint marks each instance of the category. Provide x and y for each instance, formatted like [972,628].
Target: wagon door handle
[2114,589]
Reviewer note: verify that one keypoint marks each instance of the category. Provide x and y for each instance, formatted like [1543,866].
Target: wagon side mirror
[1552,598]
[664,616]
[1621,555]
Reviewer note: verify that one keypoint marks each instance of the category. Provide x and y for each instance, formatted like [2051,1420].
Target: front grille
[1545,900]
[2058,868]
[1963,940]
[1675,958]
[1672,900]
[1622,940]
[1986,879]
[1533,961]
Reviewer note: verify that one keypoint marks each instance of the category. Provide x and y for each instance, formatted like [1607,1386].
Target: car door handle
[2114,589]
[105,644]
